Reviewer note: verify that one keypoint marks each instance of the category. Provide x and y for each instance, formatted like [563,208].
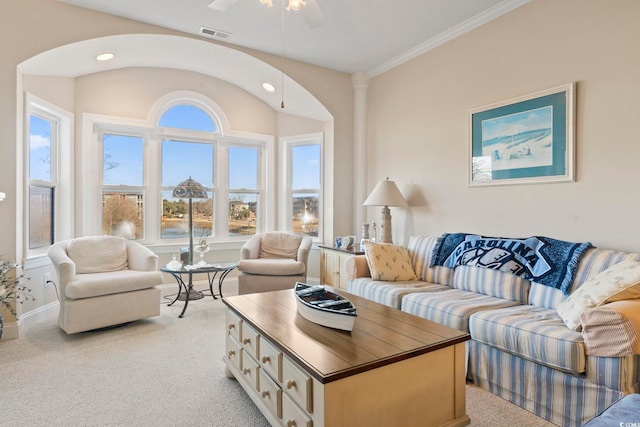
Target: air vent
[209,32]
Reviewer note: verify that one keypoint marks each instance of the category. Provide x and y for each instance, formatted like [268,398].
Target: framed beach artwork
[529,139]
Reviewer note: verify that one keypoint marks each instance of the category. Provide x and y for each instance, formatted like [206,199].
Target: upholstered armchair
[104,281]
[273,261]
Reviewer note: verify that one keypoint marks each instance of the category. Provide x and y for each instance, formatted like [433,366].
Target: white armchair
[273,261]
[104,281]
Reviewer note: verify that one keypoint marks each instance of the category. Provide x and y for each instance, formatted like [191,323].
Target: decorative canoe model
[326,308]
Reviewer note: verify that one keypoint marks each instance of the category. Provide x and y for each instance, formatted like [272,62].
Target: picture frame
[524,140]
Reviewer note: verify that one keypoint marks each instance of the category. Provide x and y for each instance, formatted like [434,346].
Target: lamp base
[385,225]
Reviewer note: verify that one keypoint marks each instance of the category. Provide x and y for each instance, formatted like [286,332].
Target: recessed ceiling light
[268,87]
[105,56]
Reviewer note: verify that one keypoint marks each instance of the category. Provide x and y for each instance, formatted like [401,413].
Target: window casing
[302,184]
[171,155]
[48,208]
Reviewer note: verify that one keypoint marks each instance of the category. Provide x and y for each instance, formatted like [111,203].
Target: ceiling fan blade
[222,5]
[313,14]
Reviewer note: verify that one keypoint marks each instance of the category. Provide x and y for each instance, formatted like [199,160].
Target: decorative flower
[11,289]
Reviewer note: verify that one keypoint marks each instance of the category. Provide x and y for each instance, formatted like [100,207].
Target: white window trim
[286,204]
[91,186]
[61,170]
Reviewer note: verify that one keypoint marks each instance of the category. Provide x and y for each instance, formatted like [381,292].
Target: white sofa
[521,349]
[104,281]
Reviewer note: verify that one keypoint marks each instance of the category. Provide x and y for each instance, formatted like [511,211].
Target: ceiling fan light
[268,3]
[296,4]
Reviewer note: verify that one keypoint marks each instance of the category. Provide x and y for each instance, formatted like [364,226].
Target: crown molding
[470,24]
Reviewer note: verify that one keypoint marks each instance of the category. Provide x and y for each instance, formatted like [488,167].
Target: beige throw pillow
[389,262]
[619,282]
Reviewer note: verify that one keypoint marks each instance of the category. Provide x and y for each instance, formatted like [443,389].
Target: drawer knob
[246,341]
[231,353]
[291,423]
[266,359]
[246,371]
[265,394]
[291,384]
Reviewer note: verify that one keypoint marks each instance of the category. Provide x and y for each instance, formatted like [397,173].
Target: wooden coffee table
[392,369]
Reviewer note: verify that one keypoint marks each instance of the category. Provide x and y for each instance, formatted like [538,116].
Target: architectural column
[360,81]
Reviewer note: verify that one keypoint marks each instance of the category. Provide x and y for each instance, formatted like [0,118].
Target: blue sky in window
[181,160]
[306,166]
[39,148]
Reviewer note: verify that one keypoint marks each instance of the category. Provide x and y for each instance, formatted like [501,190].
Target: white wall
[418,125]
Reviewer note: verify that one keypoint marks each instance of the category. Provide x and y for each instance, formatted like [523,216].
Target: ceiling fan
[309,8]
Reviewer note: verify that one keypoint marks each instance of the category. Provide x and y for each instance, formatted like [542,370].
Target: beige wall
[59,24]
[418,125]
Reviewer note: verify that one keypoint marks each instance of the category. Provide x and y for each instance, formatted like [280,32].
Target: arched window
[141,166]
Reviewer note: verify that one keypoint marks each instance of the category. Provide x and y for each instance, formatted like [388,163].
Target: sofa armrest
[251,248]
[356,266]
[612,330]
[64,266]
[140,257]
[303,250]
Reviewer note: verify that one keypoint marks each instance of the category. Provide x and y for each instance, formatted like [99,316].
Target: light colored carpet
[162,371]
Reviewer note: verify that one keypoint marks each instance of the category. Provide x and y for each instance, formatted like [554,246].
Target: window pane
[122,160]
[181,160]
[243,167]
[305,165]
[122,214]
[175,217]
[187,117]
[242,214]
[305,214]
[40,216]
[40,131]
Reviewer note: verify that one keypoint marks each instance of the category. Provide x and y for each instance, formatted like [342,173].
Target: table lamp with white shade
[385,194]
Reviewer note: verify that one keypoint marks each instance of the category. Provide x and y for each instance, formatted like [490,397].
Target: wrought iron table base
[186,291]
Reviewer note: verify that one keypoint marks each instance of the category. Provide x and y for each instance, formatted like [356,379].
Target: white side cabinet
[332,271]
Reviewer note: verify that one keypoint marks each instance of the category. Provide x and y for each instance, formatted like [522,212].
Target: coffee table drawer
[234,352]
[271,394]
[250,340]
[297,384]
[250,370]
[293,416]
[271,359]
[233,325]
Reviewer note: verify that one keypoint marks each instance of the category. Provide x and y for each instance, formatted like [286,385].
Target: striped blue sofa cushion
[420,249]
[389,293]
[535,333]
[490,282]
[545,296]
[593,262]
[451,308]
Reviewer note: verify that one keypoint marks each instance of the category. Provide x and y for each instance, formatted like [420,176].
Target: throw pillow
[389,262]
[619,282]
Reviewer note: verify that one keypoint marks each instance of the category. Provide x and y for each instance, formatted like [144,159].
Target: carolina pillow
[619,282]
[389,262]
